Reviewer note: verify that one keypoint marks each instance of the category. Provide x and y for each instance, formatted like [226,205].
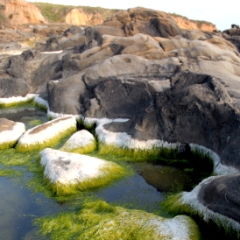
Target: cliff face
[185,23]
[20,12]
[77,16]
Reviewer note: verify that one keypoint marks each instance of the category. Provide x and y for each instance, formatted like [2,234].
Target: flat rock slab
[69,172]
[10,132]
[46,134]
[80,142]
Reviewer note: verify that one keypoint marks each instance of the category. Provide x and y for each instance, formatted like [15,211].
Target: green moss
[99,220]
[41,106]
[35,122]
[81,150]
[151,155]
[7,145]
[47,143]
[10,157]
[9,173]
[112,172]
[17,103]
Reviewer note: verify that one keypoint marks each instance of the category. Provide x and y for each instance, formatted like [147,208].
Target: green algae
[112,172]
[40,106]
[9,173]
[150,155]
[7,145]
[35,122]
[16,103]
[99,220]
[81,150]
[47,143]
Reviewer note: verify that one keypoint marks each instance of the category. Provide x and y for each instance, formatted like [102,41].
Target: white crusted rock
[80,142]
[47,134]
[68,172]
[10,132]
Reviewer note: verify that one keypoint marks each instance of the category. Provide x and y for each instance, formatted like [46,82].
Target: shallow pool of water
[27,114]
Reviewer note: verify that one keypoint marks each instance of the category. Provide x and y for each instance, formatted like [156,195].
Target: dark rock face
[13,87]
[222,195]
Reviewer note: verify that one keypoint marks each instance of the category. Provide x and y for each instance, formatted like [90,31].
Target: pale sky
[221,13]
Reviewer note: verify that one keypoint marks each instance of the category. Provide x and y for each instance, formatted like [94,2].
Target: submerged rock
[46,134]
[10,132]
[70,172]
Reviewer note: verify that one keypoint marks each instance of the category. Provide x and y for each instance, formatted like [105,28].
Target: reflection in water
[165,178]
[19,207]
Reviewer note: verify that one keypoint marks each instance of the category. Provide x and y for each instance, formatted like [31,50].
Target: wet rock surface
[172,84]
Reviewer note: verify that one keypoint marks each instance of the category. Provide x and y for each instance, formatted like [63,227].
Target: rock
[70,172]
[10,132]
[221,195]
[9,46]
[46,134]
[77,16]
[20,12]
[13,87]
[186,23]
[80,142]
[146,21]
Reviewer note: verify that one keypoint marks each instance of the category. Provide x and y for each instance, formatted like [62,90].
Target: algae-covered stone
[17,100]
[99,220]
[46,134]
[70,172]
[10,132]
[80,142]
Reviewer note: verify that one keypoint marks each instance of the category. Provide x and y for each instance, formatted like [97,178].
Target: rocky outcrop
[20,12]
[145,83]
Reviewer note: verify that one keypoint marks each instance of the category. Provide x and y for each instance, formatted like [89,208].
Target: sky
[221,13]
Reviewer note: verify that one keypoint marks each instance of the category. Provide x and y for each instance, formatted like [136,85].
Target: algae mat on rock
[99,220]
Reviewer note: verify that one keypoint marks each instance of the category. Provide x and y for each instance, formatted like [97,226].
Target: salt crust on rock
[14,100]
[8,138]
[124,140]
[79,141]
[191,199]
[72,168]
[41,135]
[44,104]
